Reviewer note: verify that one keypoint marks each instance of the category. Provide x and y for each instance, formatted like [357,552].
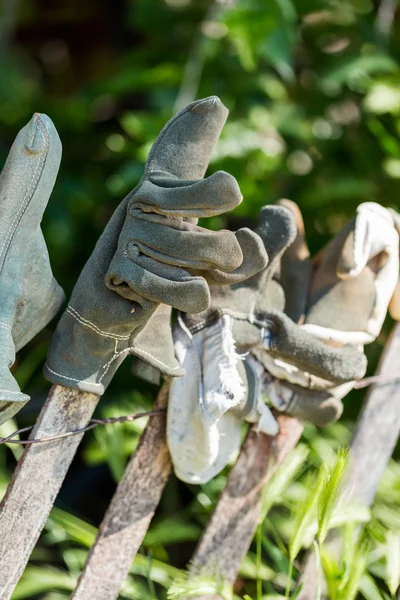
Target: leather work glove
[29,295]
[152,256]
[353,281]
[207,407]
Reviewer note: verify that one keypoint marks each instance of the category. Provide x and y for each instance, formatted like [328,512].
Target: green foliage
[313,89]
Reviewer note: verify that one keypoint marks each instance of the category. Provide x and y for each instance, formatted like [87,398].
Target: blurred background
[313,89]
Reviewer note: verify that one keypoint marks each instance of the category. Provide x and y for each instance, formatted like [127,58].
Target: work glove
[153,256]
[207,406]
[29,295]
[350,288]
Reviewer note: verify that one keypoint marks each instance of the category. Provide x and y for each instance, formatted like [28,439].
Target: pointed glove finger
[160,283]
[181,244]
[314,406]
[255,259]
[296,268]
[291,343]
[277,229]
[27,179]
[207,197]
[185,145]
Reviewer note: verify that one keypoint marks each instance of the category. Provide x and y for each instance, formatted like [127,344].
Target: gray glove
[29,295]
[153,254]
[256,307]
[208,405]
[352,283]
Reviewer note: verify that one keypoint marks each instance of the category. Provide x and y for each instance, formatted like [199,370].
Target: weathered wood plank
[129,514]
[228,535]
[372,445]
[37,479]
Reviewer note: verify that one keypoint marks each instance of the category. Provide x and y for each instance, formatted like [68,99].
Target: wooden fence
[42,468]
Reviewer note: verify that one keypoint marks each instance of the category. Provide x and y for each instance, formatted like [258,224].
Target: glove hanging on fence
[29,295]
[353,281]
[152,256]
[208,405]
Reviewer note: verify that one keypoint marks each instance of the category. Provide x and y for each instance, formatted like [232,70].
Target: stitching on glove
[107,365]
[5,326]
[74,313]
[72,378]
[28,196]
[139,352]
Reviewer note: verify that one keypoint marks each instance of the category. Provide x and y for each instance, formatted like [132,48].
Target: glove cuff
[82,356]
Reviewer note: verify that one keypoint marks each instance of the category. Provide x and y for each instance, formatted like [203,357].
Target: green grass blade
[330,479]
[393,561]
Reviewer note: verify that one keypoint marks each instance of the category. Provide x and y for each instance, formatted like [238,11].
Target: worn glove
[352,284]
[29,295]
[208,405]
[153,254]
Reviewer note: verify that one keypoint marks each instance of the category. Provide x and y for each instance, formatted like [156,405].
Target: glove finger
[285,371]
[296,268]
[157,282]
[27,179]
[207,197]
[355,278]
[277,229]
[254,255]
[185,145]
[291,343]
[319,408]
[372,232]
[181,244]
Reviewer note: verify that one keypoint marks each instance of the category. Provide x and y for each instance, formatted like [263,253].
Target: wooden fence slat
[129,514]
[231,528]
[372,445]
[37,479]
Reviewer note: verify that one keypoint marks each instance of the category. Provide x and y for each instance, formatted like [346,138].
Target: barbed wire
[91,425]
[367,381]
[363,383]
